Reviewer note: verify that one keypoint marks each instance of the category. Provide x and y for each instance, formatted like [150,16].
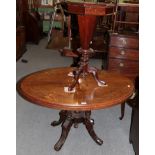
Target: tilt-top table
[47,88]
[87,15]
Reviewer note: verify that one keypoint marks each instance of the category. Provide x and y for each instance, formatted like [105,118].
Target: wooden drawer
[122,53]
[123,66]
[124,41]
[129,9]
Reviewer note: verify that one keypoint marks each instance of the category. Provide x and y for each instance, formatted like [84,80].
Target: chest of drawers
[123,56]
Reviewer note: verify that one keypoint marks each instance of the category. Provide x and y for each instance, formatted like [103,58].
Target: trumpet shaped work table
[87,17]
[48,88]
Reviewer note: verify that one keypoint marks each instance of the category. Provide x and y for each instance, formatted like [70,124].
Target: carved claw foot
[93,71]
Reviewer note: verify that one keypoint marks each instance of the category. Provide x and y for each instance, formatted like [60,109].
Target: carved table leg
[93,71]
[84,69]
[63,115]
[89,127]
[76,78]
[122,111]
[65,130]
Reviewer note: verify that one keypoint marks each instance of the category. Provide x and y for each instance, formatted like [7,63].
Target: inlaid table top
[46,88]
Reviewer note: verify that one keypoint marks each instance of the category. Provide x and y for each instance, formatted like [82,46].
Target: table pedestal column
[68,118]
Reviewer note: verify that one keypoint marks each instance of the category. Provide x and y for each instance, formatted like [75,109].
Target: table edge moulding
[88,87]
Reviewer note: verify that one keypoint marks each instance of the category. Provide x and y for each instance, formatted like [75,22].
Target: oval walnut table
[47,88]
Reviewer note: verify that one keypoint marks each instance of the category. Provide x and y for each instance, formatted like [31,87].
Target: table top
[90,8]
[46,88]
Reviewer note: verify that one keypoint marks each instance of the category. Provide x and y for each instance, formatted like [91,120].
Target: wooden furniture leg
[93,71]
[122,110]
[66,125]
[76,74]
[89,126]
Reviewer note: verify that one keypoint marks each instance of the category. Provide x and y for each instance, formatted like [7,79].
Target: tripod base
[89,70]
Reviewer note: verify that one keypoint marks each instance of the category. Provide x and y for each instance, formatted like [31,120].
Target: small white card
[70,74]
[67,90]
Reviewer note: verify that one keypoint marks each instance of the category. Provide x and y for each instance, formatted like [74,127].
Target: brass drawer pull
[121,64]
[122,52]
[123,41]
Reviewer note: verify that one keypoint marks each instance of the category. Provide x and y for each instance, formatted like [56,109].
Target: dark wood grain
[123,53]
[124,66]
[46,88]
[125,41]
[88,8]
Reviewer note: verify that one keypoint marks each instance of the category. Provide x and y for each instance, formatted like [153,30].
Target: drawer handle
[123,41]
[121,64]
[122,52]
